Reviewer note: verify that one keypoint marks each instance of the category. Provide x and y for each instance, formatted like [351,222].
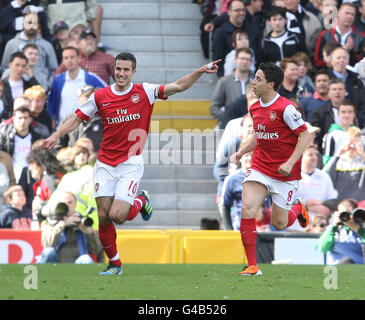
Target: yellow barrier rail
[180,246]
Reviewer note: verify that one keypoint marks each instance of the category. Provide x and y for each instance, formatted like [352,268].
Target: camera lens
[88,222]
[359,216]
[345,216]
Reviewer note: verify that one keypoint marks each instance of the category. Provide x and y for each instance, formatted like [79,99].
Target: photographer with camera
[67,236]
[344,238]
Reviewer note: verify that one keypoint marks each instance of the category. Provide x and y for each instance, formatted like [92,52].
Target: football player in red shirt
[125,109]
[278,143]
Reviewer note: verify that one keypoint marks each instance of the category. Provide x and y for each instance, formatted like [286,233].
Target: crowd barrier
[140,246]
[178,246]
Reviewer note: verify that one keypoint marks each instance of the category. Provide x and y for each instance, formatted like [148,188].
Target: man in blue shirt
[63,96]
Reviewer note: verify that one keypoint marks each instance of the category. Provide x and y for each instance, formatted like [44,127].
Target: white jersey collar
[121,93]
[268,104]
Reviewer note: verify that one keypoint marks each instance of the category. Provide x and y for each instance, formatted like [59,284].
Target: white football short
[120,182]
[283,193]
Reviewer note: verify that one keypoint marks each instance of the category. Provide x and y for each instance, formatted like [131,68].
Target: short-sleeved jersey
[277,125]
[126,119]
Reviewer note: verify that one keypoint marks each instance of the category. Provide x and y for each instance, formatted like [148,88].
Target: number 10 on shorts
[132,189]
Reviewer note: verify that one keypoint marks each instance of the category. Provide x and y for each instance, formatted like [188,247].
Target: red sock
[248,237]
[293,213]
[108,238]
[138,204]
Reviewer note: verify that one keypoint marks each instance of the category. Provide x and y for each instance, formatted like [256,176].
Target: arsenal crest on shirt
[135,98]
[272,115]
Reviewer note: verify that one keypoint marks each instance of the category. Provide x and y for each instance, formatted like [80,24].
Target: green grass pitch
[181,282]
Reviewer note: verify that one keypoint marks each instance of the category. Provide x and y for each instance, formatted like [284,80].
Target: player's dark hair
[272,73]
[127,56]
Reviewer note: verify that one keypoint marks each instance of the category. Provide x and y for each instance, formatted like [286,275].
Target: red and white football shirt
[277,125]
[126,118]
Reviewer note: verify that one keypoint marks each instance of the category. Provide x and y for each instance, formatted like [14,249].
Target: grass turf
[180,282]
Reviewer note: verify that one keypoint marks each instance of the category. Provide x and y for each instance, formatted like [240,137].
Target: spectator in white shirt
[63,96]
[316,187]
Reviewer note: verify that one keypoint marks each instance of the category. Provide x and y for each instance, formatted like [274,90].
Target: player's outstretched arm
[70,125]
[303,140]
[187,81]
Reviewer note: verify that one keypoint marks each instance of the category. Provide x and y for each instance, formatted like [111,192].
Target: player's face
[123,74]
[259,84]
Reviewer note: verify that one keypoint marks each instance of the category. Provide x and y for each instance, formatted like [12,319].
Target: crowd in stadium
[52,60]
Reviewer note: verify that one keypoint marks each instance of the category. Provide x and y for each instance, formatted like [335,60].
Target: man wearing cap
[75,13]
[61,36]
[92,59]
